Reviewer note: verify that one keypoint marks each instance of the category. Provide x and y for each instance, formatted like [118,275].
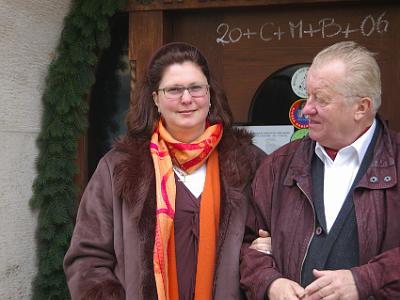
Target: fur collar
[236,166]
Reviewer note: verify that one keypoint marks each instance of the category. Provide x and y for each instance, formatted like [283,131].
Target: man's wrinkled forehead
[326,76]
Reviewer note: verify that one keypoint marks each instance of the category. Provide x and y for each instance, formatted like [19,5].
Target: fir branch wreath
[70,76]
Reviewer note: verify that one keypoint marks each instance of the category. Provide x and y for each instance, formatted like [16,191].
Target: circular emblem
[298,82]
[296,116]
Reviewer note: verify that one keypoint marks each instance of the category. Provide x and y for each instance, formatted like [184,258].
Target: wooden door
[247,44]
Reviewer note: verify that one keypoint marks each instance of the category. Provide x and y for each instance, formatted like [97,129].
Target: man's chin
[312,135]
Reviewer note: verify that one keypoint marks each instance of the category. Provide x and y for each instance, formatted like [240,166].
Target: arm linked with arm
[257,270]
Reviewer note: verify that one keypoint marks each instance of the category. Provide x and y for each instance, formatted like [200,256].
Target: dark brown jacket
[110,256]
[283,205]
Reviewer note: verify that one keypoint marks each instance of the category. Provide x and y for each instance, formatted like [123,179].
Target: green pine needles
[65,108]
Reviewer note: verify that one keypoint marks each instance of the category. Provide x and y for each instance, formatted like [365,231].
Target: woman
[163,215]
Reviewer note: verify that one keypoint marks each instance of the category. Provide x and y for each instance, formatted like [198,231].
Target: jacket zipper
[313,232]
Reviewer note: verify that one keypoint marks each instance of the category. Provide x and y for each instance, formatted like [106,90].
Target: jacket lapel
[139,193]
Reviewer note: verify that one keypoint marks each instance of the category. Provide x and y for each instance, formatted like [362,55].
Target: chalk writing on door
[324,28]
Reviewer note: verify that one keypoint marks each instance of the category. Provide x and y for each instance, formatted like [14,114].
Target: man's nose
[309,107]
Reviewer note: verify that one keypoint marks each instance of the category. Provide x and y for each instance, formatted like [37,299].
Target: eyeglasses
[176,92]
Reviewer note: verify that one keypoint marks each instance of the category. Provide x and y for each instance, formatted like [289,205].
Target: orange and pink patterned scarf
[165,150]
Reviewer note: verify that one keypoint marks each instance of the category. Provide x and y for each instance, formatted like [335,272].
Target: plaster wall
[29,34]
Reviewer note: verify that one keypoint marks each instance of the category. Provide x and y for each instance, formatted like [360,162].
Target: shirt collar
[359,146]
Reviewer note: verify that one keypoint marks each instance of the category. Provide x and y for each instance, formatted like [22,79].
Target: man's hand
[285,289]
[263,243]
[332,285]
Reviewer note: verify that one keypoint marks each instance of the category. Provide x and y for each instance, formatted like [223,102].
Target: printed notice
[270,138]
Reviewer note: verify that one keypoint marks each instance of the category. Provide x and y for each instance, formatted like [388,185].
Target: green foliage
[70,76]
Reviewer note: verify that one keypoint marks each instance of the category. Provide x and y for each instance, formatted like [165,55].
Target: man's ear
[363,108]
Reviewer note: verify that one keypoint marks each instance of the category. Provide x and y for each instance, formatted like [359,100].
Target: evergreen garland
[71,74]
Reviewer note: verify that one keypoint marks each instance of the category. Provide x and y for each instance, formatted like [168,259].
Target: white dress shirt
[340,173]
[195,181]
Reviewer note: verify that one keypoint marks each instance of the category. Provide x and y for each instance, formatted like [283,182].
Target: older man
[330,201]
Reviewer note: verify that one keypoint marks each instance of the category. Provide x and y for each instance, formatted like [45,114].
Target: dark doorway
[272,101]
[109,99]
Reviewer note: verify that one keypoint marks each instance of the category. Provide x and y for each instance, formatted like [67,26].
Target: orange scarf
[189,157]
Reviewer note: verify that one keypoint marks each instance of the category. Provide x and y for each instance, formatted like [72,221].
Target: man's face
[331,118]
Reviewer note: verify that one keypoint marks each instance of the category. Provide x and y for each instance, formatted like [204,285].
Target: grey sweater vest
[338,249]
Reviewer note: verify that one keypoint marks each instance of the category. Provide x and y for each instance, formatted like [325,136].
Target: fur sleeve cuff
[110,290]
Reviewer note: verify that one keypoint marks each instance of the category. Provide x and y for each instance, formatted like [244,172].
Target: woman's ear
[155,99]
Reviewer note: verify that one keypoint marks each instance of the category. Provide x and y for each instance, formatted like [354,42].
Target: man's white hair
[363,76]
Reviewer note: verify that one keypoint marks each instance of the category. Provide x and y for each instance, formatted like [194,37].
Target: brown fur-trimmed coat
[110,256]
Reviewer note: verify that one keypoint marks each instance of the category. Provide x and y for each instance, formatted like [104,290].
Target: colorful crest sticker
[296,116]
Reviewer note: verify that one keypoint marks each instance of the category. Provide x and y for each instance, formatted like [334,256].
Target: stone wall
[29,34]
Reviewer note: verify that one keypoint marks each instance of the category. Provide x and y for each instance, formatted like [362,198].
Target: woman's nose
[186,97]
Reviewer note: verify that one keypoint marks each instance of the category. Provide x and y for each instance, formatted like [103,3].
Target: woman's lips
[186,112]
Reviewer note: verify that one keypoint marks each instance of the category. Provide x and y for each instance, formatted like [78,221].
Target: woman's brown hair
[143,116]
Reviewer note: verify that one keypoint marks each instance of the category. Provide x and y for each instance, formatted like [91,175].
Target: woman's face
[184,115]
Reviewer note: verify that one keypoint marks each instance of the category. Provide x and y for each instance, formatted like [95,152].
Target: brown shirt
[186,227]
